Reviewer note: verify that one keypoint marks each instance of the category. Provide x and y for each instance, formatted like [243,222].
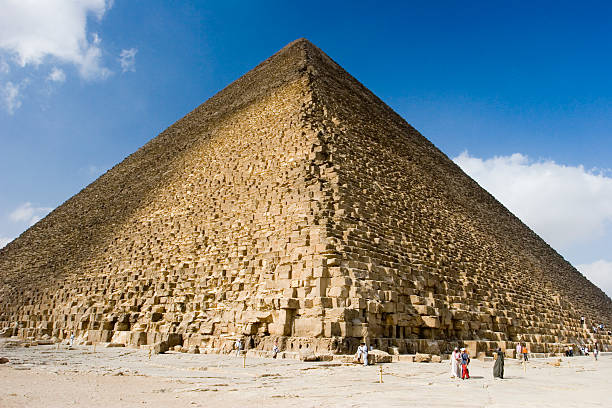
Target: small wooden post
[244,360]
[95,346]
[150,352]
[381,380]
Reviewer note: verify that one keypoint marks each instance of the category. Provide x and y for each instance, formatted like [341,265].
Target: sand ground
[44,376]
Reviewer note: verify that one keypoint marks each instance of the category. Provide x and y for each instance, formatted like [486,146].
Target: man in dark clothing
[498,367]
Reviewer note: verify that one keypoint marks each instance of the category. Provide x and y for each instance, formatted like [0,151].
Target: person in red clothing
[465,361]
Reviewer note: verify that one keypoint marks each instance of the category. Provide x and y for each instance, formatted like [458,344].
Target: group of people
[596,328]
[460,360]
[522,352]
[584,351]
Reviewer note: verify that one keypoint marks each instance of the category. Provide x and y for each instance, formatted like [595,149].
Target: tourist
[456,363]
[519,350]
[275,350]
[525,351]
[498,367]
[362,352]
[71,339]
[582,321]
[595,353]
[238,347]
[465,361]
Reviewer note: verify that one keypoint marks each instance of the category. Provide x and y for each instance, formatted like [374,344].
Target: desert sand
[45,376]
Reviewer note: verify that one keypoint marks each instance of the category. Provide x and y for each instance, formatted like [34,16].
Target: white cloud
[4,67]
[56,75]
[565,205]
[600,273]
[32,30]
[29,214]
[127,58]
[4,241]
[10,95]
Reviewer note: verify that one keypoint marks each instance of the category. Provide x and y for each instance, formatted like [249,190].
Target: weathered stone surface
[293,207]
[308,356]
[422,358]
[161,347]
[379,356]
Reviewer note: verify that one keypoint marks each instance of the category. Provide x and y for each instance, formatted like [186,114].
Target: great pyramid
[293,206]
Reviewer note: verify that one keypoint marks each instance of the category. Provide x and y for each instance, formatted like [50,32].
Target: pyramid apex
[300,43]
[301,40]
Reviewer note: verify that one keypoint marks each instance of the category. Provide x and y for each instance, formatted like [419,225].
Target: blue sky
[518,93]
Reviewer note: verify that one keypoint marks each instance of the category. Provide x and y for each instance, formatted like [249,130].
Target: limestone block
[389,307]
[422,358]
[431,321]
[161,347]
[290,303]
[379,356]
[308,327]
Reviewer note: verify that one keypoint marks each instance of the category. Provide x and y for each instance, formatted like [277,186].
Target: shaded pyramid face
[293,206]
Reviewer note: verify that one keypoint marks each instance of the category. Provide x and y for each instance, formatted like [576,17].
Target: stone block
[308,327]
[422,358]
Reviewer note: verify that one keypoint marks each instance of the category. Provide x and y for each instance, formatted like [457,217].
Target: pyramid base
[300,345]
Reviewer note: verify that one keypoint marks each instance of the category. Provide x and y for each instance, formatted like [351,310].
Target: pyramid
[295,207]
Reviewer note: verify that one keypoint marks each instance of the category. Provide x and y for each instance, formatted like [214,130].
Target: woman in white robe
[455,363]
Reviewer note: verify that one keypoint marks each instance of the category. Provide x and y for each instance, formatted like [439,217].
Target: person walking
[519,351]
[275,350]
[238,347]
[525,353]
[595,353]
[456,363]
[498,367]
[465,361]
